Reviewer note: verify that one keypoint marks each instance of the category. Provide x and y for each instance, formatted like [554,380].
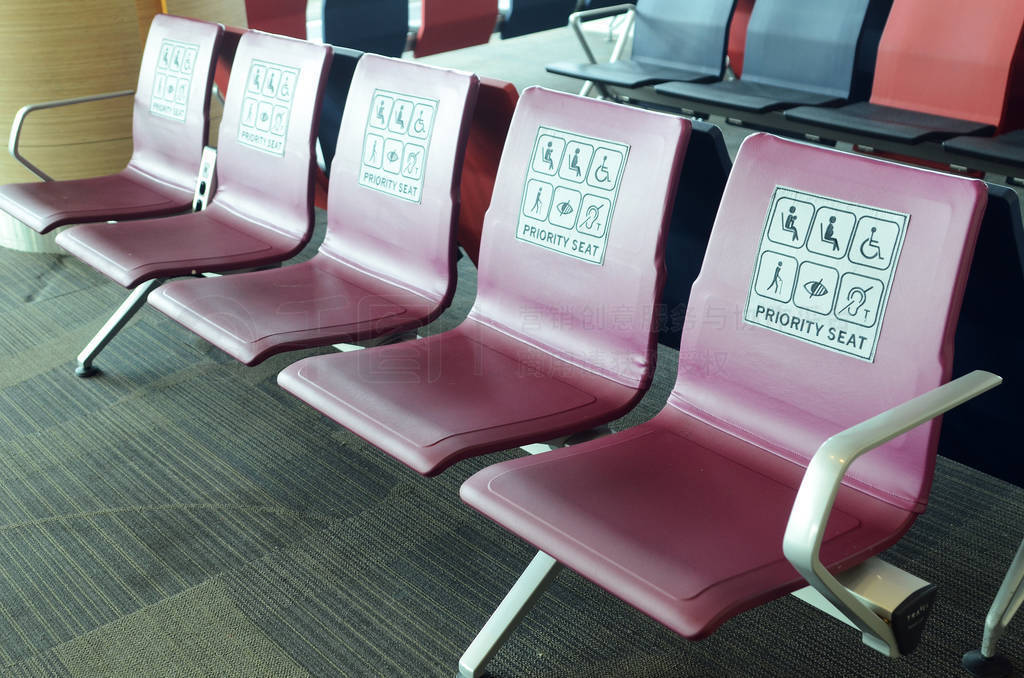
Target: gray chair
[672,41]
[814,52]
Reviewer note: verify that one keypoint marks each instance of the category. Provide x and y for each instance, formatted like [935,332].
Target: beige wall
[62,49]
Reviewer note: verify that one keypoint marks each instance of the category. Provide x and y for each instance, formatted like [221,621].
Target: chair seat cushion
[627,73]
[252,316]
[1007,148]
[676,517]
[130,252]
[886,122]
[745,95]
[43,206]
[468,391]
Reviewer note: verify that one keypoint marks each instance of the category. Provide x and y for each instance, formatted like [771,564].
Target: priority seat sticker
[267,106]
[172,81]
[824,271]
[569,193]
[396,141]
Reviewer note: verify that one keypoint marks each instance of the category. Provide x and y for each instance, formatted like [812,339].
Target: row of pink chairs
[808,450]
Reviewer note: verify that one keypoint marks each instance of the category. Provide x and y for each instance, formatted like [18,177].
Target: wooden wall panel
[62,49]
[227,12]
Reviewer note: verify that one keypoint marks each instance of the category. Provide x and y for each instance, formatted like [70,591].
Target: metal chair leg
[985,663]
[526,591]
[128,308]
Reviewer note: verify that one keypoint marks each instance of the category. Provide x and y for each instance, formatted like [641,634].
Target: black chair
[672,40]
[988,336]
[1005,149]
[335,94]
[979,434]
[377,26]
[816,52]
[702,180]
[530,16]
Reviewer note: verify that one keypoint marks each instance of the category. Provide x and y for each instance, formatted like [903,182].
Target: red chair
[742,489]
[281,17]
[262,210]
[738,35]
[387,262]
[932,81]
[560,337]
[453,24]
[491,119]
[169,129]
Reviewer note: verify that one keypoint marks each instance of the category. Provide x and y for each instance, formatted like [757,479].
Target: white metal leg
[527,589]
[121,316]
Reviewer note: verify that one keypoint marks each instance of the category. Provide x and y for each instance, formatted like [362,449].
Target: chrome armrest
[817,493]
[19,121]
[576,20]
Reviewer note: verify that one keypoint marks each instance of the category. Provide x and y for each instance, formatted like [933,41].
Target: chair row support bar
[519,600]
[530,585]
[128,308]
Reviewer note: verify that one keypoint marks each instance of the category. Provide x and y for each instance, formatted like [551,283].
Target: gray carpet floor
[181,515]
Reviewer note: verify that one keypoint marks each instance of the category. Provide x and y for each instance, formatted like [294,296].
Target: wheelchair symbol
[601,173]
[419,127]
[869,249]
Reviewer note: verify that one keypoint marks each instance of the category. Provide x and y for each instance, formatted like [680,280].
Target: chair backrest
[957,59]
[979,432]
[281,17]
[738,35]
[446,25]
[266,139]
[701,183]
[690,34]
[822,46]
[829,293]
[375,26]
[571,259]
[495,105]
[405,129]
[171,117]
[532,16]
[343,67]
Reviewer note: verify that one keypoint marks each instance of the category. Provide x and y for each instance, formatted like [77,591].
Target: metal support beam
[527,589]
[121,316]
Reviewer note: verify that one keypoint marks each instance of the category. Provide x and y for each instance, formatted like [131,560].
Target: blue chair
[377,26]
[813,52]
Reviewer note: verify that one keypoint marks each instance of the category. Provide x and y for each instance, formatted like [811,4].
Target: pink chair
[169,129]
[560,337]
[742,489]
[387,263]
[262,210]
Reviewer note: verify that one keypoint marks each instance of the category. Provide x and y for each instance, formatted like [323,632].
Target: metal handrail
[19,121]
